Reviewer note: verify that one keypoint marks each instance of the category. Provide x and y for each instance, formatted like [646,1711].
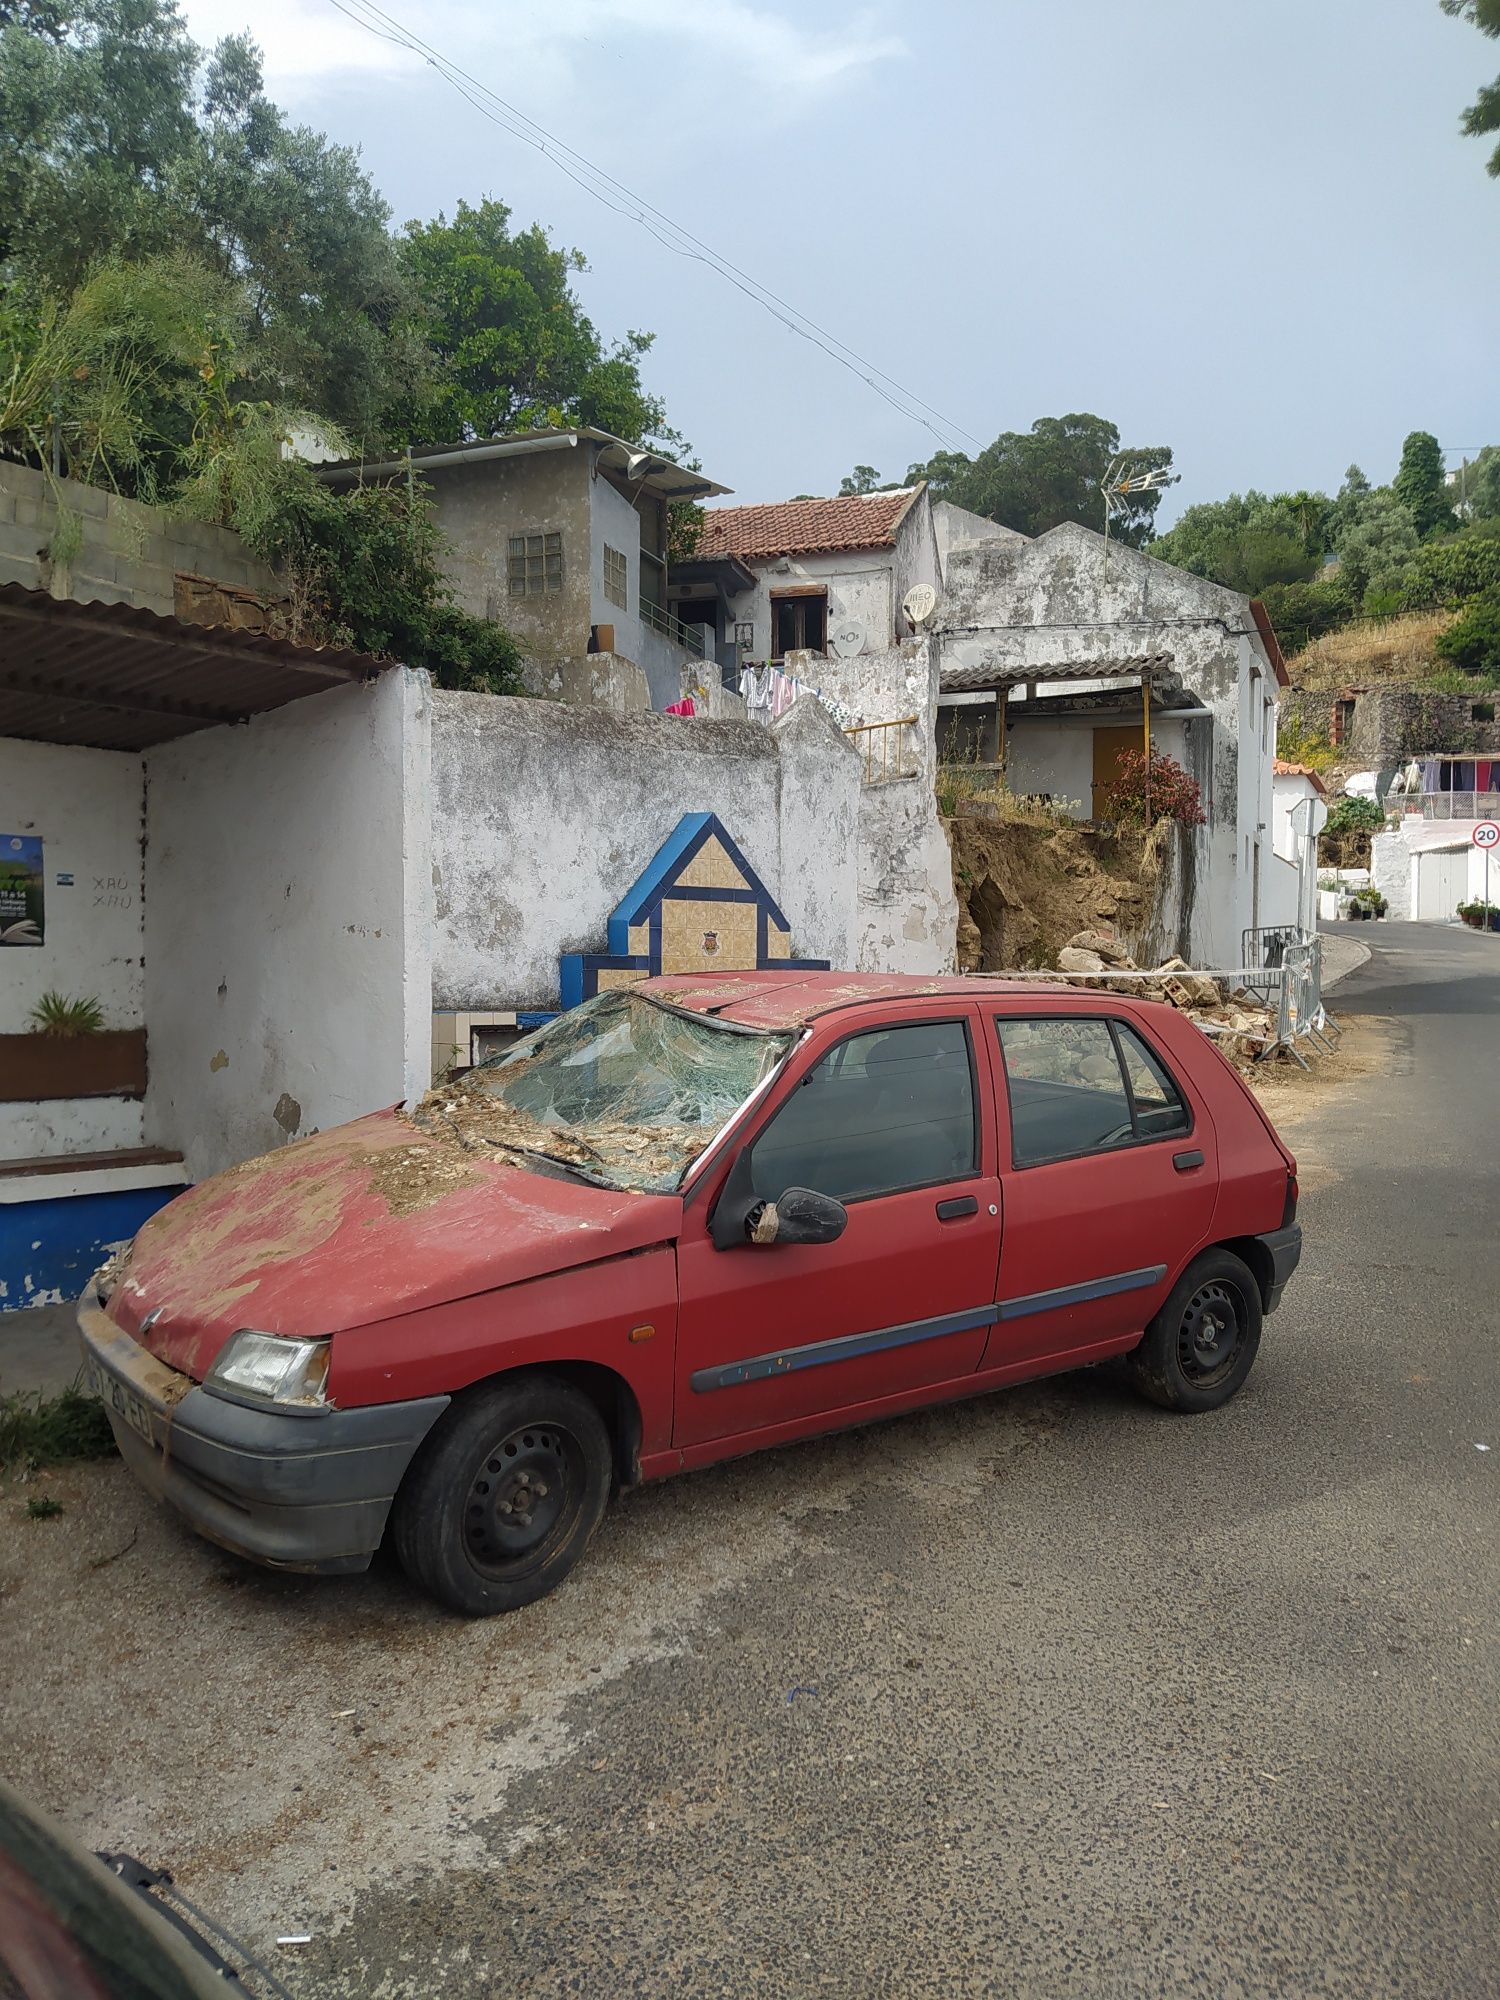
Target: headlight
[272,1367]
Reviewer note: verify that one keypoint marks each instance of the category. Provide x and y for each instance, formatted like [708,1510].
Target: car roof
[796,996]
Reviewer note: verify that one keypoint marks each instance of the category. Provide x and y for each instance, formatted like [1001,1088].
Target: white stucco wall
[1065,597]
[288,950]
[615,522]
[544,815]
[1056,754]
[86,805]
[1393,855]
[1287,793]
[954,527]
[908,912]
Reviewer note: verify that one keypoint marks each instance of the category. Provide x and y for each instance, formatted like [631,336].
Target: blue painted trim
[578,974]
[680,845]
[737,856]
[675,895]
[570,980]
[1078,1295]
[530,1021]
[53,1245]
[847,1347]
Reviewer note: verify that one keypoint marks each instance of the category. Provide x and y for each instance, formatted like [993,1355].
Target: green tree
[1482,485]
[863,479]
[1033,480]
[1472,642]
[1377,551]
[109,151]
[1249,542]
[1421,486]
[1483,115]
[513,345]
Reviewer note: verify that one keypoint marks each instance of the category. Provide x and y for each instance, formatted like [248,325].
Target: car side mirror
[800,1215]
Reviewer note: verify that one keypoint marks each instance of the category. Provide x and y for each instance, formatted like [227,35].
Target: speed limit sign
[1487,833]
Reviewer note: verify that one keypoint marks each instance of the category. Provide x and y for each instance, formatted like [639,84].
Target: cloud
[308,42]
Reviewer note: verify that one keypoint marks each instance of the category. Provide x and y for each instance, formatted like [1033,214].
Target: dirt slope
[1024,890]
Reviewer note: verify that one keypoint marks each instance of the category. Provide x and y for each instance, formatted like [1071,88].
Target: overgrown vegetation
[1140,794]
[188,281]
[38,1430]
[67,1016]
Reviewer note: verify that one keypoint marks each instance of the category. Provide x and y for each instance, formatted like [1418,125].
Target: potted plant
[68,1051]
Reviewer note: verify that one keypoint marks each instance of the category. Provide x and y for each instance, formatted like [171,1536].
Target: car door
[1110,1177]
[895,1119]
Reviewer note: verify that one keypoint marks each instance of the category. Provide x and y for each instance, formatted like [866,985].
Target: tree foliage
[1472,642]
[1483,115]
[1250,541]
[512,345]
[1421,486]
[1171,794]
[1034,480]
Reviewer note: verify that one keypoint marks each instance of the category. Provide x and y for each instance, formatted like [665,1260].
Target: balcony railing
[689,637]
[1445,805]
[886,754]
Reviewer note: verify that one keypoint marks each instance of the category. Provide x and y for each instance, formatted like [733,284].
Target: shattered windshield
[621,1090]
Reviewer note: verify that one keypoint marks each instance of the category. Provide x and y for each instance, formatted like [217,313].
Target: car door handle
[1185,1162]
[961,1205]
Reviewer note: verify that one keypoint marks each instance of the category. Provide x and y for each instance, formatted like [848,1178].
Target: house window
[614,576]
[535,564]
[799,624]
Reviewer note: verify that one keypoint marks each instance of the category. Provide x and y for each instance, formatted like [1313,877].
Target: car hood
[359,1224]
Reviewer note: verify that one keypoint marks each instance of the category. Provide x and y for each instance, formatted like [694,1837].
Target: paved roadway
[1051,1695]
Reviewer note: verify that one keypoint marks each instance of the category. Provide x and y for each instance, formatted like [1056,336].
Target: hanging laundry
[755,688]
[784,691]
[683,707]
[1483,771]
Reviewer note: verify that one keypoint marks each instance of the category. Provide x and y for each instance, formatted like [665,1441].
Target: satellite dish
[848,640]
[1309,816]
[919,603]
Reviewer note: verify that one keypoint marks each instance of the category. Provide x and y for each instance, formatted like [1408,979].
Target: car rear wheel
[1202,1344]
[500,1502]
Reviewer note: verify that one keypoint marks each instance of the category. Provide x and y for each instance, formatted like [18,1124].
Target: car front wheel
[1202,1344]
[501,1500]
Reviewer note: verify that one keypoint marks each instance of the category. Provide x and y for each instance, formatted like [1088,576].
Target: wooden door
[1108,744]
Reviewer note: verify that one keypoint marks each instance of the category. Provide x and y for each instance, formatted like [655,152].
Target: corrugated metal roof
[119,677]
[972,680]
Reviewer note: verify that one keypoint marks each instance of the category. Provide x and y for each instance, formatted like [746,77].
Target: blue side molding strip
[1078,1295]
[847,1347]
[850,1346]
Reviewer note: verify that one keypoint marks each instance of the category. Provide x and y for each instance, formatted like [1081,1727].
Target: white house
[820,576]
[1054,652]
[1290,785]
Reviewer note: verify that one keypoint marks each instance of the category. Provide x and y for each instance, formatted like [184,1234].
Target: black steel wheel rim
[522,1498]
[1212,1335]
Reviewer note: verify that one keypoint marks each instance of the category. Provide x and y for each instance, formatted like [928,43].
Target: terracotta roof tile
[805,527]
[1285,770]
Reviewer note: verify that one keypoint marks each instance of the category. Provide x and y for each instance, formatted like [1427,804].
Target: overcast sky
[1250,231]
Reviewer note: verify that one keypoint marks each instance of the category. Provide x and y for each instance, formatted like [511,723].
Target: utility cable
[671,235]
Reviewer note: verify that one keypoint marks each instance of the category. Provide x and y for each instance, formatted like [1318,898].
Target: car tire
[502,1498]
[1199,1348]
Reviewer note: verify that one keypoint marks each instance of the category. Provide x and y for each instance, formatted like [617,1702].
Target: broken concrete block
[1071,960]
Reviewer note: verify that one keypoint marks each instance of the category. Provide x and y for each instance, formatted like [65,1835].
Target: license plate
[124,1402]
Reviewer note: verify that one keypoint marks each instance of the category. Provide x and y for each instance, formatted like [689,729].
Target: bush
[1472,641]
[1445,575]
[1354,815]
[1174,795]
[1302,612]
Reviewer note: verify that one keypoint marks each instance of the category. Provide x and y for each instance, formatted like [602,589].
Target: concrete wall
[543,816]
[907,909]
[1064,597]
[478,508]
[955,527]
[86,805]
[616,523]
[130,553]
[1393,857]
[288,954]
[1287,793]
[916,560]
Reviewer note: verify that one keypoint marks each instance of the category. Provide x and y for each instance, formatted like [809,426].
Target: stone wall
[130,553]
[1377,726]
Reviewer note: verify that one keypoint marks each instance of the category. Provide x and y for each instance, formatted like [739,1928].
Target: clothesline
[768,692]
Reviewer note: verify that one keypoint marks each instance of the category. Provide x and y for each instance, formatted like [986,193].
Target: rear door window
[1078,1086]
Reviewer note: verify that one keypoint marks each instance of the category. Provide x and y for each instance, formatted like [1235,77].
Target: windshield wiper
[568,1167]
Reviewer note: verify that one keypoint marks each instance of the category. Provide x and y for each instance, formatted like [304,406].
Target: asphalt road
[1048,1695]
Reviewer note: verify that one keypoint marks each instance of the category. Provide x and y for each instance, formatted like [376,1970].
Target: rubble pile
[1243,1026]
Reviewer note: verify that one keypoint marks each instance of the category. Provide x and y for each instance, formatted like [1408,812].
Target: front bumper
[293,1489]
[1285,1246]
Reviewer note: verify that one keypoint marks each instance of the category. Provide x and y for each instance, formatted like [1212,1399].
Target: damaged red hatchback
[685,1220]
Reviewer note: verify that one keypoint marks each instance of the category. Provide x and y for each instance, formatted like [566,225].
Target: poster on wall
[21,895]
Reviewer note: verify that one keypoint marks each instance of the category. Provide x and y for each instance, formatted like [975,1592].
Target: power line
[603,187]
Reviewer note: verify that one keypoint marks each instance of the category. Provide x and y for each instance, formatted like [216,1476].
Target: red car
[686,1220]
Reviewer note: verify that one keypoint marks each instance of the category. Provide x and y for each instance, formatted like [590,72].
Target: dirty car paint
[356,1225]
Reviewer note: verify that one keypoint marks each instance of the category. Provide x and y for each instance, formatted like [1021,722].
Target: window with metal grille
[535,564]
[614,576]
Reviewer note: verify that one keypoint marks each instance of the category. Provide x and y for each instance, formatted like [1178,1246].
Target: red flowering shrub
[1174,795]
